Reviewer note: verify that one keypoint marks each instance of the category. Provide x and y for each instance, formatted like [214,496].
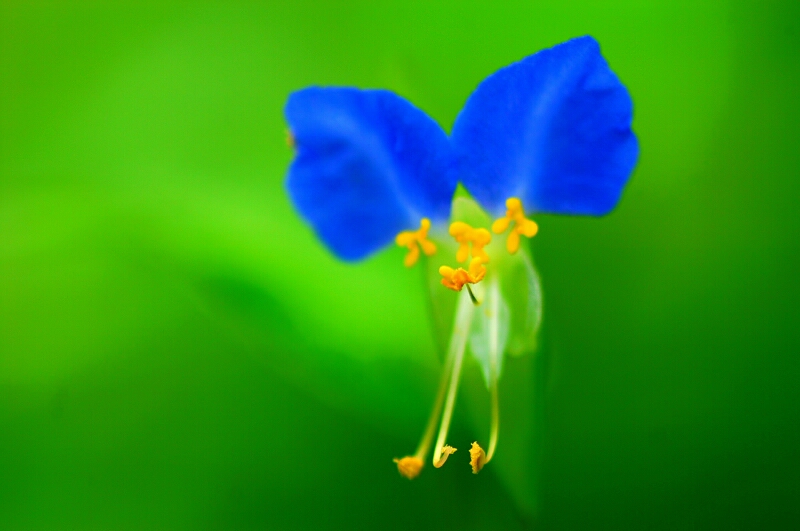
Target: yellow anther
[522,225]
[455,279]
[290,139]
[409,466]
[477,457]
[466,235]
[446,452]
[413,240]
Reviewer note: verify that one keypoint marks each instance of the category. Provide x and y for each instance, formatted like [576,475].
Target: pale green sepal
[490,330]
[521,288]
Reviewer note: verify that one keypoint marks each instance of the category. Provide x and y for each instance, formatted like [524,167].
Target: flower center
[413,240]
[466,235]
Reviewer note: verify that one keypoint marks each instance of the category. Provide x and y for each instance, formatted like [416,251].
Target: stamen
[413,240]
[494,357]
[479,458]
[409,467]
[290,139]
[458,344]
[455,279]
[495,429]
[466,235]
[447,451]
[522,225]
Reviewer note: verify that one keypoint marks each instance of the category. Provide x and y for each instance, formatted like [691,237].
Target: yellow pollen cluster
[477,457]
[413,240]
[464,235]
[522,225]
[409,467]
[456,278]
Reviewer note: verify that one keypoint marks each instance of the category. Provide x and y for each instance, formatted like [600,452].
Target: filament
[458,344]
[494,348]
[479,458]
[475,301]
[427,437]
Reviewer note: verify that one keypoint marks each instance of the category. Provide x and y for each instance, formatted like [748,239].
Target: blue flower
[368,165]
[548,134]
[553,129]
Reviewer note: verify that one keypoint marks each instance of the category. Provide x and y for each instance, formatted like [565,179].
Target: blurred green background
[177,351]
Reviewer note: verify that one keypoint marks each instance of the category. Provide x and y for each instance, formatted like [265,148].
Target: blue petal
[553,129]
[368,166]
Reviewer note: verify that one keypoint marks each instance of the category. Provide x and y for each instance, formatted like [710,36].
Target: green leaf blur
[177,351]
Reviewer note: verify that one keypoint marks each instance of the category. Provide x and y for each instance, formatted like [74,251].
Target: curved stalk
[458,344]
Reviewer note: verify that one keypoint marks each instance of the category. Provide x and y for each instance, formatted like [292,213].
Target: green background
[177,351]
